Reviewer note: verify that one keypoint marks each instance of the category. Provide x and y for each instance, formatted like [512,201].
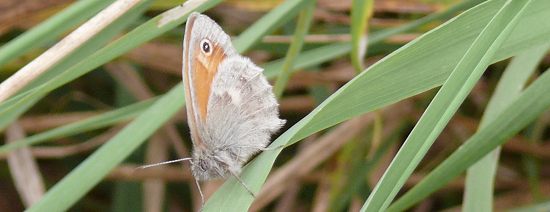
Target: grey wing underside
[242,110]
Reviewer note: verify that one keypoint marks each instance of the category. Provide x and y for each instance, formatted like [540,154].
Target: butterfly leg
[200,192]
[242,183]
[273,148]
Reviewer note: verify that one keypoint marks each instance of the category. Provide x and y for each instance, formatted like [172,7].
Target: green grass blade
[447,101]
[73,186]
[304,21]
[361,12]
[532,103]
[92,123]
[51,28]
[478,195]
[268,23]
[421,65]
[328,52]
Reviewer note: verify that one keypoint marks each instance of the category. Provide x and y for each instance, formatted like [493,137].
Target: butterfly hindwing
[243,112]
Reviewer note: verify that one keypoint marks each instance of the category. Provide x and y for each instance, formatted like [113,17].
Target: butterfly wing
[231,109]
[199,69]
[242,110]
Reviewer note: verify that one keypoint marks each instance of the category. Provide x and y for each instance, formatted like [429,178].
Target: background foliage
[388,103]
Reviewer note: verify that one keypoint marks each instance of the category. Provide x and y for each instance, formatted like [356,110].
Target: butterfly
[231,109]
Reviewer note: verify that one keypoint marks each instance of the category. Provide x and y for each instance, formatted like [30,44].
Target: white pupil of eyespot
[205,47]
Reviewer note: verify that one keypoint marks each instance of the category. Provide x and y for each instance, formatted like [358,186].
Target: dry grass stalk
[64,47]
[24,170]
[127,172]
[154,189]
[16,12]
[38,123]
[158,56]
[59,152]
[296,104]
[288,201]
[175,173]
[322,195]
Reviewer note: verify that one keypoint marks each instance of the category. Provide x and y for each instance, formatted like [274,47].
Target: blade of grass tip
[304,22]
[447,100]
[533,102]
[145,32]
[72,187]
[50,29]
[478,194]
[92,123]
[269,22]
[17,105]
[420,65]
[361,12]
[64,47]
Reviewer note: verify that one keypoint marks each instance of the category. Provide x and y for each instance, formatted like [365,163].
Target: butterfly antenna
[163,163]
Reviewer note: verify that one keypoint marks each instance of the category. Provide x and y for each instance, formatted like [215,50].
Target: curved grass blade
[446,102]
[51,28]
[421,65]
[478,194]
[532,103]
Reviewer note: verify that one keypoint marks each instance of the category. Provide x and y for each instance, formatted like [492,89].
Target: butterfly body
[231,110]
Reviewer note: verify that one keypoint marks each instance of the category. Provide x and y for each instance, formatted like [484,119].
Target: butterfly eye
[206,47]
[202,165]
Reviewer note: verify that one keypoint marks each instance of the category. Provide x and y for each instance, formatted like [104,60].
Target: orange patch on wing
[205,68]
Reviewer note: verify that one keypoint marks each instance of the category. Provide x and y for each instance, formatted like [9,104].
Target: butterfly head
[207,165]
